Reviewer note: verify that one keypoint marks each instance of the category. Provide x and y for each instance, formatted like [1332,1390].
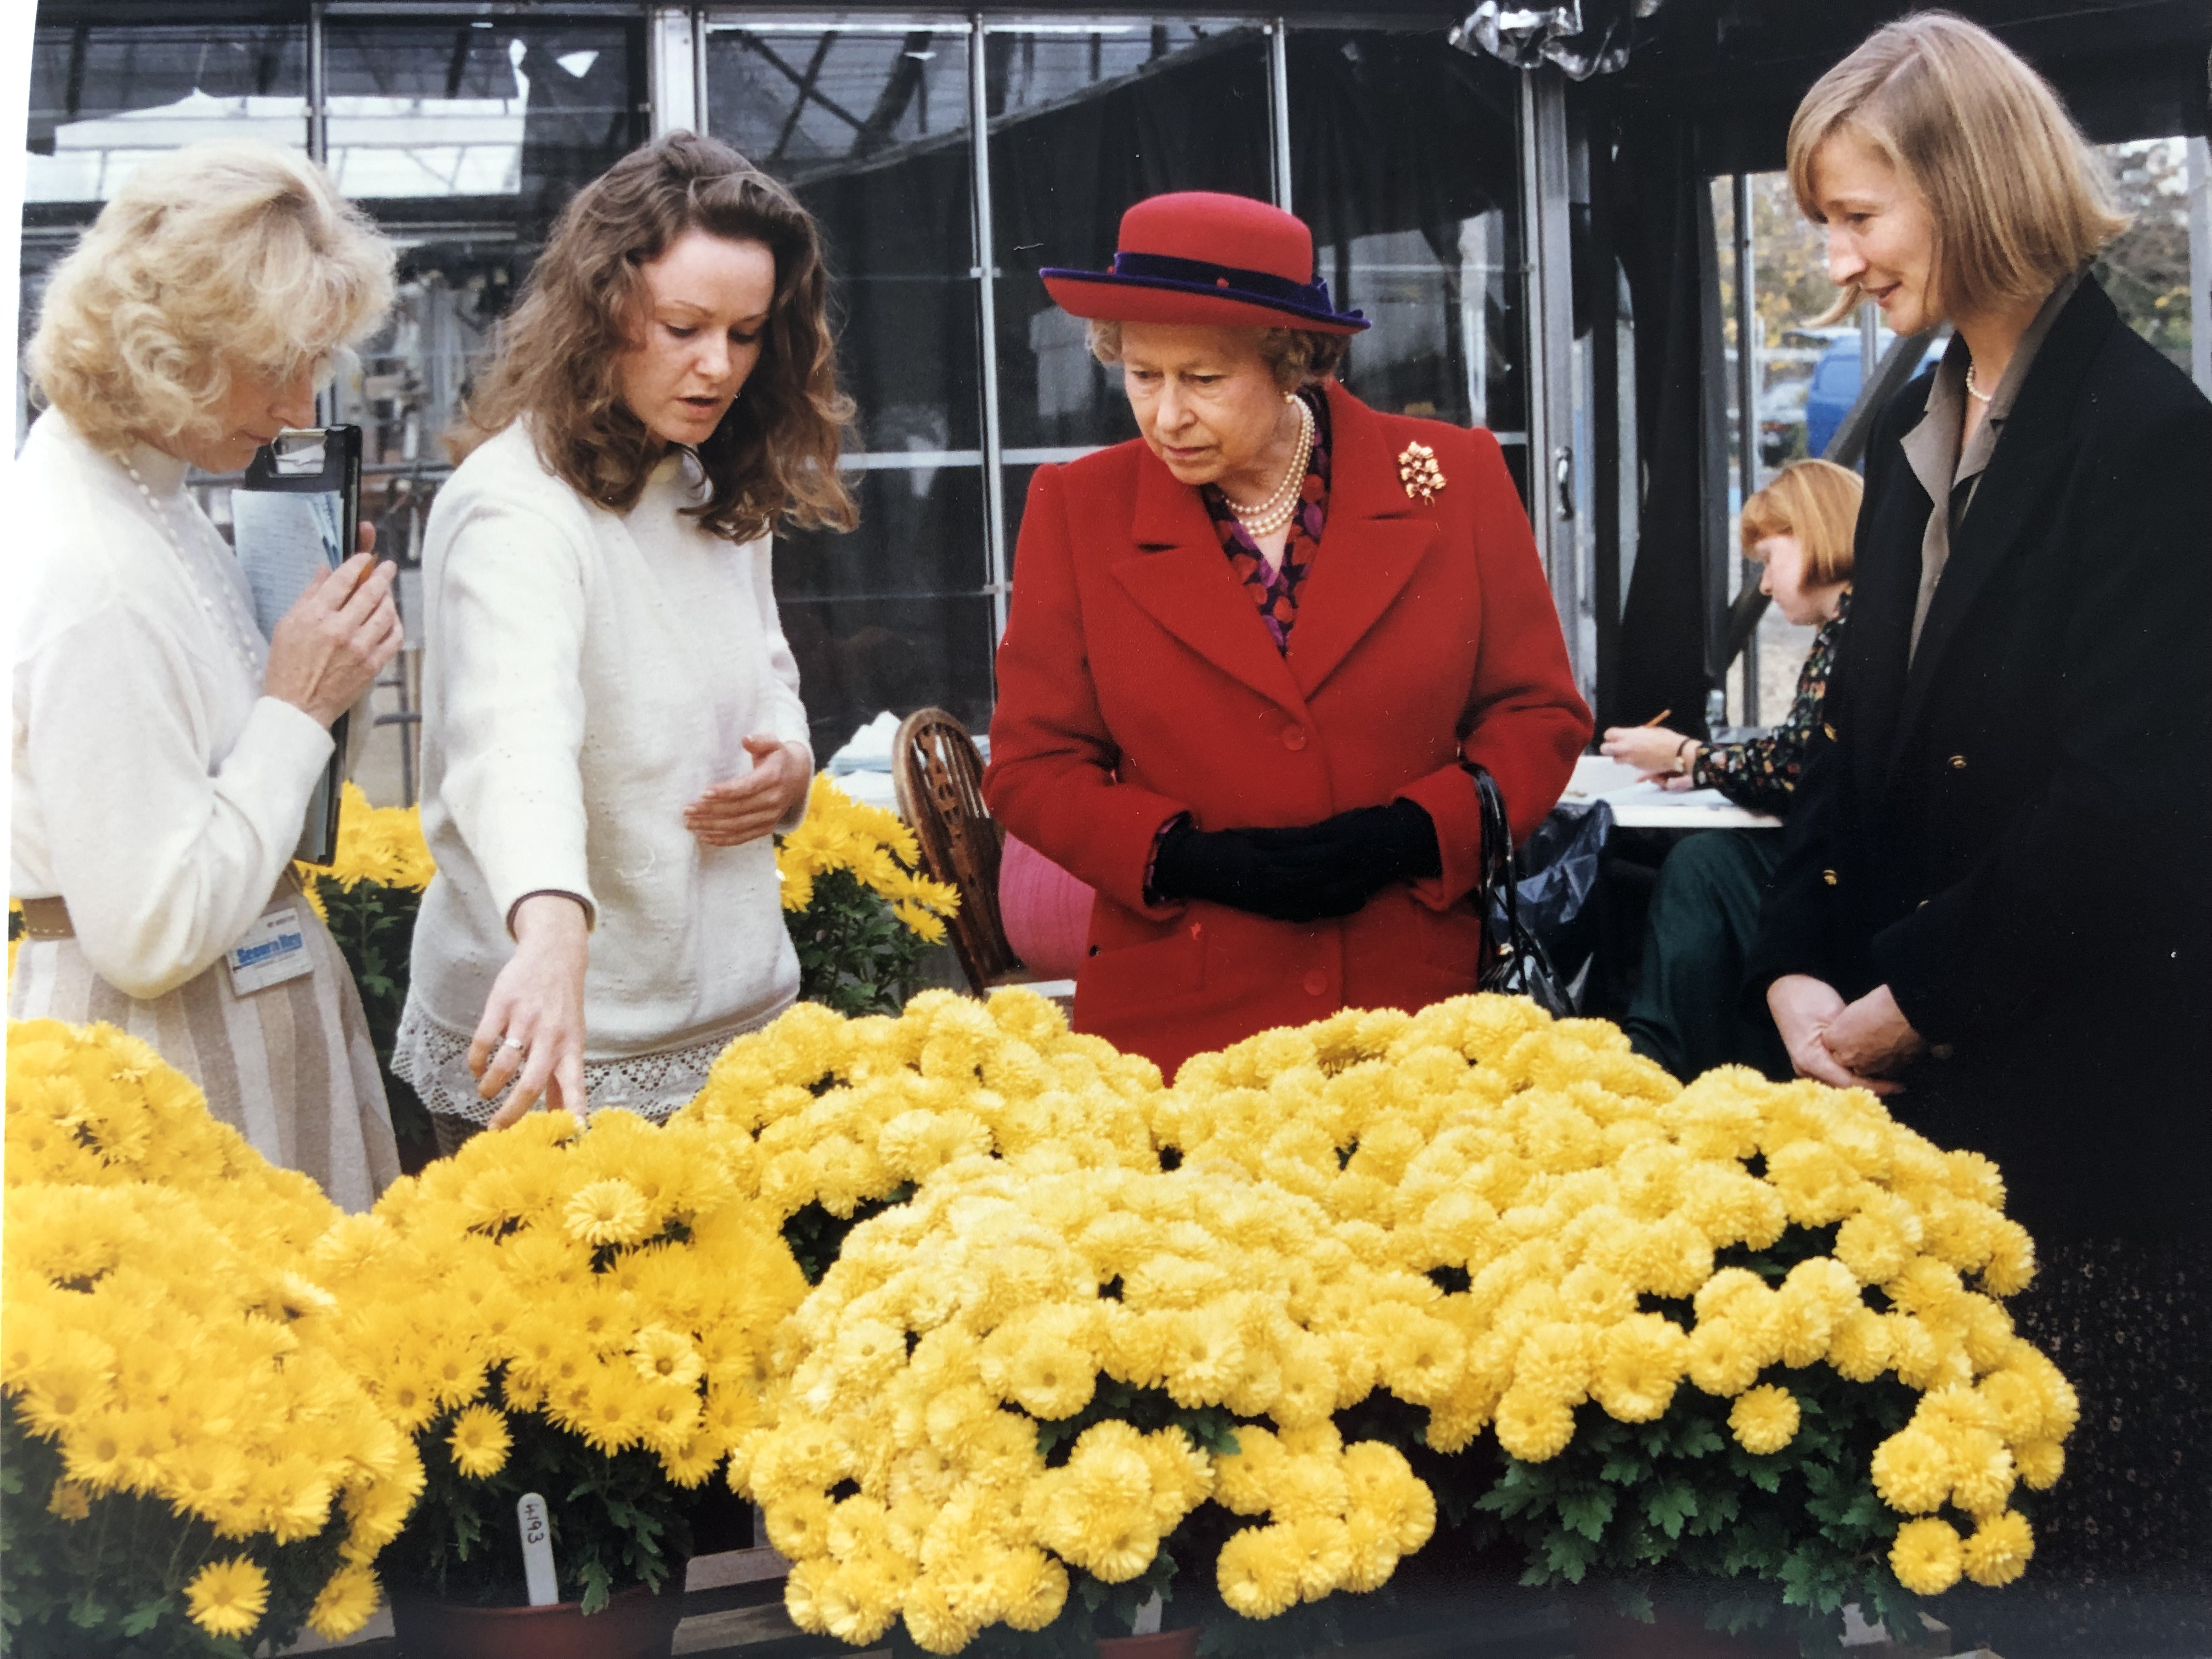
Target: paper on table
[870,749]
[1639,806]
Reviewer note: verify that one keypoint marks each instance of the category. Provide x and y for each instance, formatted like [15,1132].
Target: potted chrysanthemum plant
[860,914]
[1736,1352]
[1061,1386]
[574,1324]
[368,894]
[844,1115]
[188,1470]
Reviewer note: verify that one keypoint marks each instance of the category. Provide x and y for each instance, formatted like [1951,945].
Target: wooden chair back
[939,776]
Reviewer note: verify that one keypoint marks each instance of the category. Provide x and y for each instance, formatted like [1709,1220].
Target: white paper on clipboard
[284,541]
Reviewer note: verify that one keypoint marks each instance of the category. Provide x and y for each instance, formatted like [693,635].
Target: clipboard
[295,516]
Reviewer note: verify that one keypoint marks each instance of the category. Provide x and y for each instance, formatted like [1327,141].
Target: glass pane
[2145,268]
[1086,120]
[499,120]
[860,655]
[1403,162]
[104,98]
[868,122]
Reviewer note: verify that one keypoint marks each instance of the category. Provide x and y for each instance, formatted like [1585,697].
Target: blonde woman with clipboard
[164,752]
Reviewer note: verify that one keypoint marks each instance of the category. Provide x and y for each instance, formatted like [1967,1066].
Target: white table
[1639,806]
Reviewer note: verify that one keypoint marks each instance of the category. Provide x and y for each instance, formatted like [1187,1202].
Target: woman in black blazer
[1993,902]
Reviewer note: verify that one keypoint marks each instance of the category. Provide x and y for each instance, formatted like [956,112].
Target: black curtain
[1397,132]
[1663,233]
[894,614]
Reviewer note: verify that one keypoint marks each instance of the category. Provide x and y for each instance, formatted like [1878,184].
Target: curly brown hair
[774,454]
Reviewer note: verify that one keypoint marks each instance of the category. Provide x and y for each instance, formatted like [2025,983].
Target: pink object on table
[1047,912]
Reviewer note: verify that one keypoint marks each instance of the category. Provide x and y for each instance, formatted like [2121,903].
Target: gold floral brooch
[1418,471]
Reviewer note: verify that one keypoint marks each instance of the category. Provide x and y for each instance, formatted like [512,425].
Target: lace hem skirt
[434,1059]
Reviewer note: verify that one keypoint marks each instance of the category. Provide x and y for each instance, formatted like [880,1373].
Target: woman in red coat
[1253,653]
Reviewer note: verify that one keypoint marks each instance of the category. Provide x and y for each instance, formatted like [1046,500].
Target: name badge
[274,950]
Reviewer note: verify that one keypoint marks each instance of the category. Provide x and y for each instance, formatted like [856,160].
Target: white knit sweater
[155,789]
[587,674]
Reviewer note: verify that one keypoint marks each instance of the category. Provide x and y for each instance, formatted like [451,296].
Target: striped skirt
[289,1068]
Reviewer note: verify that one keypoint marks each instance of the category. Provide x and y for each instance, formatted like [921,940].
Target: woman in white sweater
[611,728]
[164,751]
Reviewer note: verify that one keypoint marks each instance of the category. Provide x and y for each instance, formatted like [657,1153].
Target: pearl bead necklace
[232,622]
[1277,511]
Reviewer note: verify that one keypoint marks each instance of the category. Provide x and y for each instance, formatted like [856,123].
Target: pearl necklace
[1277,511]
[1975,391]
[232,622]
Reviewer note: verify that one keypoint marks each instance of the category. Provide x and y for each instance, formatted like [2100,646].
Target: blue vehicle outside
[1835,385]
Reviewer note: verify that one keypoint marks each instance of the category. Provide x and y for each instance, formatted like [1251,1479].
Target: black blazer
[2015,833]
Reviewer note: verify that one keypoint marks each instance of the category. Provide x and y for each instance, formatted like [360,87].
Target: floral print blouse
[1276,591]
[1762,773]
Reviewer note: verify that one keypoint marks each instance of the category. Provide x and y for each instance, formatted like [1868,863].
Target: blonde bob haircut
[2017,200]
[1816,501]
[227,258]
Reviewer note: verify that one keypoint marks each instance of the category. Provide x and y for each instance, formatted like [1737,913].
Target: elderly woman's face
[258,406]
[706,306]
[1208,405]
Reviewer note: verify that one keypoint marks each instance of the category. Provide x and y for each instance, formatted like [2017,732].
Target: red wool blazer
[1137,681]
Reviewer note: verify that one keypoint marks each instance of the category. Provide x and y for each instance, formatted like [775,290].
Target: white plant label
[537,1550]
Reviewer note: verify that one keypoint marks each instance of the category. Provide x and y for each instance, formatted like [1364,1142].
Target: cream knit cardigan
[587,673]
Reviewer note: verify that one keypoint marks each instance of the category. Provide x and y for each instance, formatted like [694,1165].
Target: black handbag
[1514,963]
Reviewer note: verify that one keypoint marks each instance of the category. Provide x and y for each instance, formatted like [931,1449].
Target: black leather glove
[1303,874]
[1252,870]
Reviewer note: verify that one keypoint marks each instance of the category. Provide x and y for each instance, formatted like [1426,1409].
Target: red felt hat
[1198,256]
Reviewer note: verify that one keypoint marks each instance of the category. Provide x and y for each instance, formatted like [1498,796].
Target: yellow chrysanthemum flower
[69,1500]
[479,1442]
[228,1598]
[1999,1548]
[1258,1571]
[608,1212]
[1763,1420]
[1912,1472]
[2041,1462]
[838,833]
[1533,1427]
[1927,1556]
[381,845]
[667,1356]
[344,1604]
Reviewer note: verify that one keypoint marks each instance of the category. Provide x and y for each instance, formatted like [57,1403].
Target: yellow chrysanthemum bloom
[1998,1551]
[1912,1472]
[1533,1427]
[2041,1462]
[381,845]
[608,1212]
[228,1598]
[1258,1571]
[345,1603]
[1763,1420]
[479,1442]
[839,833]
[1927,1556]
